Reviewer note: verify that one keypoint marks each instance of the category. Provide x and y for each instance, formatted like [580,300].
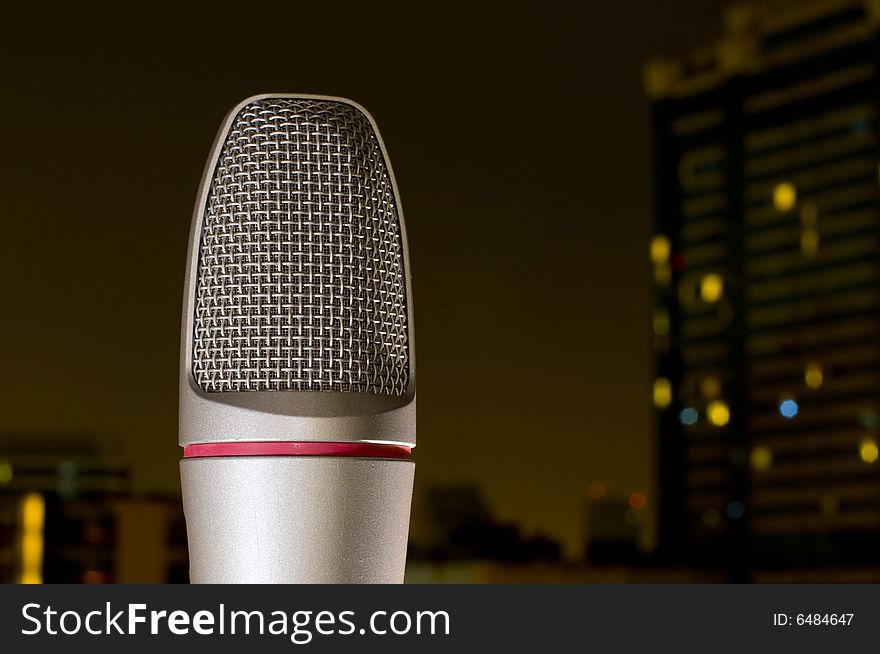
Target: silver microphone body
[297,376]
[301,519]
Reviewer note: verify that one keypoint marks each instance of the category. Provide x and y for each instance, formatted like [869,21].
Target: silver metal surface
[298,321]
[300,283]
[297,519]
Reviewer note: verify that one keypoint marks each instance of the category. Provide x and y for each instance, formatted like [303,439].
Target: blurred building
[613,528]
[462,528]
[67,515]
[766,264]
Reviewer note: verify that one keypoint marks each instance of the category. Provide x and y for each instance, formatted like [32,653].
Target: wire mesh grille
[300,283]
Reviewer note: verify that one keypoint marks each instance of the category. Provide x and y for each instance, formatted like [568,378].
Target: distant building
[766,265]
[67,515]
[463,528]
[613,529]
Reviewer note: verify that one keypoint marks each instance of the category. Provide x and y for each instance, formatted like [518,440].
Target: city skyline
[530,283]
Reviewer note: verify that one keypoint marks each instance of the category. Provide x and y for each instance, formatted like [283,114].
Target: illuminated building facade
[766,265]
[67,515]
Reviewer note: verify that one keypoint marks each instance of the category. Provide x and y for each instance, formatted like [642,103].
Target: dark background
[519,134]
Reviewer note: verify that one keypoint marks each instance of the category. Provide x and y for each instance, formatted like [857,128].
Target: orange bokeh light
[637,500]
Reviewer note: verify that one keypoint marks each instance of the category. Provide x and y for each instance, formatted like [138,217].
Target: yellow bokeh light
[662,393]
[809,242]
[660,249]
[784,197]
[33,514]
[868,451]
[661,322]
[718,413]
[5,472]
[710,387]
[761,457]
[813,376]
[711,288]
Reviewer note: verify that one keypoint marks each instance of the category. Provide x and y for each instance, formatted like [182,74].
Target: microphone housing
[297,341]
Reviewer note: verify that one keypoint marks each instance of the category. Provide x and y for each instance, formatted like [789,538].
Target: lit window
[660,250]
[813,375]
[662,393]
[761,457]
[784,197]
[868,451]
[718,413]
[711,288]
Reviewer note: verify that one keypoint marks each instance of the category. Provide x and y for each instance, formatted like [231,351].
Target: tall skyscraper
[766,264]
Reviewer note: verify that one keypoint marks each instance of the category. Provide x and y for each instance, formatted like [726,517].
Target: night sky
[519,136]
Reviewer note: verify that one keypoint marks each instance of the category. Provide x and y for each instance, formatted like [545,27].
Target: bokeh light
[813,376]
[788,408]
[637,500]
[718,413]
[662,392]
[33,510]
[711,287]
[660,249]
[784,197]
[689,416]
[868,451]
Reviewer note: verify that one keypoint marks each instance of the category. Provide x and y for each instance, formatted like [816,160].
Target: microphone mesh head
[300,283]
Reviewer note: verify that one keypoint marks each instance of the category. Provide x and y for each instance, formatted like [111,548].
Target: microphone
[297,370]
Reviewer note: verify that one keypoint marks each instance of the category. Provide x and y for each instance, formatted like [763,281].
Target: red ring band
[300,448]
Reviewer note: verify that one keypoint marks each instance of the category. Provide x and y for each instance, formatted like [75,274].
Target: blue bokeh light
[688,416]
[788,408]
